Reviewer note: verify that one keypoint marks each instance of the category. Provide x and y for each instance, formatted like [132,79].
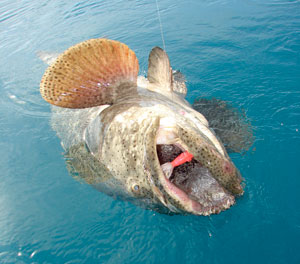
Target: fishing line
[162,34]
[160,24]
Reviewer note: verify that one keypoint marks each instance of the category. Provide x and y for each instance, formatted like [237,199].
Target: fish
[118,129]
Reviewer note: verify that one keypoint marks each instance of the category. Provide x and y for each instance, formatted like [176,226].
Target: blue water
[246,52]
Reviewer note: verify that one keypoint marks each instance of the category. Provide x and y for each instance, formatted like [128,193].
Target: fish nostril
[228,167]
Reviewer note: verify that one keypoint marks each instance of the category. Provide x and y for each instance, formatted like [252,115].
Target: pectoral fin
[231,126]
[91,73]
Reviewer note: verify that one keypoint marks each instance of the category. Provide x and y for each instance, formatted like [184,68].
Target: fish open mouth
[191,184]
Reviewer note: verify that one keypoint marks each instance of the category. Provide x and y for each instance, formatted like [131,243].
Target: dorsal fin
[91,73]
[159,70]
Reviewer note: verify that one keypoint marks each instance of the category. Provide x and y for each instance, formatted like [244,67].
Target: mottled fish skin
[124,139]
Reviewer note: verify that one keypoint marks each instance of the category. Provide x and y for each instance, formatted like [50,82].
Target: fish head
[209,183]
[142,135]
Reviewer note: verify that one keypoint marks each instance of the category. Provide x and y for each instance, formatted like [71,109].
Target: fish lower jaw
[192,206]
[190,187]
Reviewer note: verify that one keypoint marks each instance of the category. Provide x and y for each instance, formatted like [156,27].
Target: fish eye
[135,188]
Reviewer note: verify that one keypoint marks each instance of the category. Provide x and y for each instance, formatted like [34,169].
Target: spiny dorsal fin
[178,82]
[91,73]
[159,70]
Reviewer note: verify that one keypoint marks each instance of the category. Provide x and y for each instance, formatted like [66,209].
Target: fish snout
[219,164]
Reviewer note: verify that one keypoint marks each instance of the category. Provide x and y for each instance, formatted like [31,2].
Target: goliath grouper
[119,130]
